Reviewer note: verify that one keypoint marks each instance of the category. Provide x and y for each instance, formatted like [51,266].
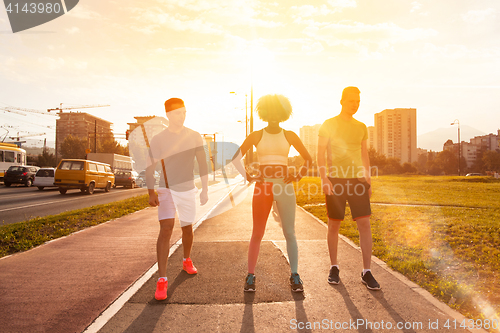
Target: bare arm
[365,158]
[150,182]
[322,145]
[250,141]
[202,165]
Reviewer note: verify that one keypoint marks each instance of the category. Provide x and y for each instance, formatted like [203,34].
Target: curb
[71,234]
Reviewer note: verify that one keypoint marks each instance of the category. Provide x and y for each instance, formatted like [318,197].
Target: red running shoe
[187,265]
[161,289]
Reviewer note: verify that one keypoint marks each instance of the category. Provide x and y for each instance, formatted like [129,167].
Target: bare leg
[187,240]
[261,206]
[365,240]
[163,245]
[333,239]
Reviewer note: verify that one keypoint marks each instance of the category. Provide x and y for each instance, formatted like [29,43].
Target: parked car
[44,178]
[20,174]
[84,175]
[129,179]
[142,176]
[473,174]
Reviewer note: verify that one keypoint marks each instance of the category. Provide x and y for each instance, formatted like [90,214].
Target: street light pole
[246,113]
[214,157]
[459,143]
[250,156]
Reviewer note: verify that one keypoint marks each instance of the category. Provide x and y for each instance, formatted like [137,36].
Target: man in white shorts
[174,151]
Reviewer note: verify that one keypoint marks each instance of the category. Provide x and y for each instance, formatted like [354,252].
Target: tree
[431,165]
[113,147]
[73,147]
[447,161]
[409,168]
[376,159]
[478,165]
[393,166]
[491,160]
[421,163]
[46,159]
[31,160]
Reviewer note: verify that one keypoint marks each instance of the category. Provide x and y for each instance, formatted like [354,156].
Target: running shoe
[250,283]
[333,277]
[370,281]
[161,289]
[296,283]
[187,265]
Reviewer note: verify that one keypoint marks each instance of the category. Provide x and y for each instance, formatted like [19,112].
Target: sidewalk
[70,283]
[63,285]
[214,301]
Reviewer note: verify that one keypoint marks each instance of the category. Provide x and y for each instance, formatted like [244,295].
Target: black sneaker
[250,283]
[334,277]
[296,283]
[370,281]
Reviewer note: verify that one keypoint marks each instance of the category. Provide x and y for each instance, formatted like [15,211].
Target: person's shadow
[149,317]
[300,311]
[247,324]
[379,296]
[351,307]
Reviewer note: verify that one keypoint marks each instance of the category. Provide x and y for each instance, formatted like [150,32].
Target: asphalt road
[19,203]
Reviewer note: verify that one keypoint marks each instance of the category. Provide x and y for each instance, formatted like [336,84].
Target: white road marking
[113,309]
[43,203]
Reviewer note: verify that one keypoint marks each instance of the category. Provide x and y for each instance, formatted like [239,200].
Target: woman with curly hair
[273,182]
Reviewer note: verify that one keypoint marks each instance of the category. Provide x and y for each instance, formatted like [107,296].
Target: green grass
[450,248]
[443,190]
[22,236]
[25,235]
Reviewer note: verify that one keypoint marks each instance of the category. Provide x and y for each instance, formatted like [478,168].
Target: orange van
[85,175]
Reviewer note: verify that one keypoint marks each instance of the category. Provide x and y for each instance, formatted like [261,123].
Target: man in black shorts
[347,179]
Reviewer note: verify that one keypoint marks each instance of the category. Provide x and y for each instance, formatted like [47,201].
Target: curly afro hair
[274,105]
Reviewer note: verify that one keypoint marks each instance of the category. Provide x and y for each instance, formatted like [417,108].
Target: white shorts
[183,202]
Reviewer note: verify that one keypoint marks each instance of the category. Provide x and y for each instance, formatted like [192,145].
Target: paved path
[214,301]
[63,285]
[77,281]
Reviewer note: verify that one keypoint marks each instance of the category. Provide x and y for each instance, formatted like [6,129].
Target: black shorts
[352,190]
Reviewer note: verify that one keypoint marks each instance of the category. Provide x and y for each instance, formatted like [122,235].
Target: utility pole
[250,155]
[60,109]
[95,136]
[459,144]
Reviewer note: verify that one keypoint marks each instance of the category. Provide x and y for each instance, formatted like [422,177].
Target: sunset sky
[440,57]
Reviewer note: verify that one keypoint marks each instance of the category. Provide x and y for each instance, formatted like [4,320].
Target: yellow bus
[10,154]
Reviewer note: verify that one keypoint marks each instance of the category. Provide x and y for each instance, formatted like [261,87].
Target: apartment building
[395,134]
[470,150]
[140,120]
[309,137]
[371,137]
[81,125]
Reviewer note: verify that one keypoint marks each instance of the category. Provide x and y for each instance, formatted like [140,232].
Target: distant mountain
[434,140]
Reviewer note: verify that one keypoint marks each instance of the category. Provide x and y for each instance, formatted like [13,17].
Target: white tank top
[273,149]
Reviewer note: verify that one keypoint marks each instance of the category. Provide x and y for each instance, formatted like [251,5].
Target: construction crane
[24,136]
[60,108]
[14,109]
